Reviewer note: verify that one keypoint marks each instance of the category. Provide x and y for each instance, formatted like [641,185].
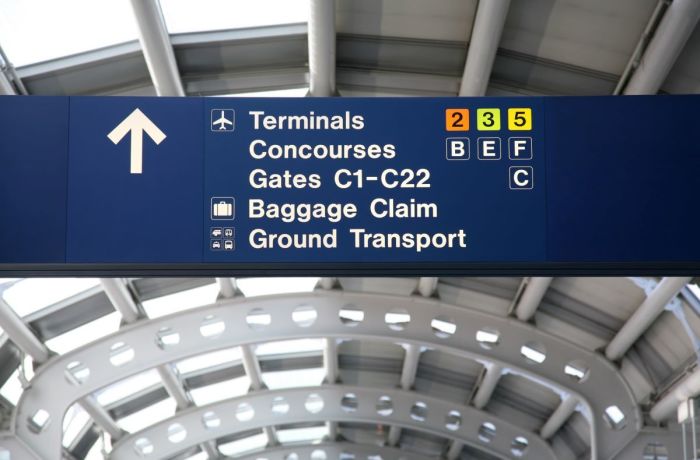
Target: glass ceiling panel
[220,391]
[33,31]
[251,287]
[85,334]
[148,416]
[299,435]
[206,360]
[245,445]
[12,389]
[73,423]
[32,294]
[281,380]
[180,301]
[293,92]
[182,16]
[128,386]
[289,346]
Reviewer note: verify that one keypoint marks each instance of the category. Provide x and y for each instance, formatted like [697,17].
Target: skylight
[293,92]
[128,386]
[207,360]
[73,423]
[245,445]
[180,301]
[148,416]
[289,346]
[252,287]
[12,389]
[39,30]
[85,334]
[292,379]
[32,294]
[220,391]
[299,435]
[182,16]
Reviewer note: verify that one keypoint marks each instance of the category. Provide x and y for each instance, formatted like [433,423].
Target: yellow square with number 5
[520,119]
[488,119]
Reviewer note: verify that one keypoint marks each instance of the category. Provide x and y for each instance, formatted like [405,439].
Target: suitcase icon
[222,208]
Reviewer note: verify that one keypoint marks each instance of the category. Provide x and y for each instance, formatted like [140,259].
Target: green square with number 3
[488,119]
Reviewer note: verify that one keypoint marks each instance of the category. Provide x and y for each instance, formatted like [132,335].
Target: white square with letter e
[457,148]
[222,208]
[488,148]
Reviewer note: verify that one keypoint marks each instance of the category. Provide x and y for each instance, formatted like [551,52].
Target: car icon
[228,245]
[216,244]
[216,232]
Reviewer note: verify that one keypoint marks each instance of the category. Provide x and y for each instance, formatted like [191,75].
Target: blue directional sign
[349,185]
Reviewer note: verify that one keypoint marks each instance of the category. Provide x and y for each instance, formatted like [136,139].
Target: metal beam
[327,282]
[25,339]
[532,296]
[52,392]
[486,35]
[427,286]
[644,316]
[561,414]
[407,379]
[252,367]
[313,404]
[687,388]
[21,335]
[334,450]
[487,385]
[157,49]
[173,386]
[668,41]
[322,48]
[252,370]
[100,416]
[124,303]
[330,359]
[227,287]
[6,88]
[121,298]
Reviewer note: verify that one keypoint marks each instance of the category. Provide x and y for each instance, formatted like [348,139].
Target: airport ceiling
[375,368]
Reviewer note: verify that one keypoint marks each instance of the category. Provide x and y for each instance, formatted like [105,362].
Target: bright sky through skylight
[173,303]
[306,434]
[220,391]
[183,16]
[266,286]
[38,30]
[85,334]
[241,446]
[148,416]
[33,294]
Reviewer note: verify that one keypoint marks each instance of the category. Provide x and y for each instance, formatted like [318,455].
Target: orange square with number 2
[457,119]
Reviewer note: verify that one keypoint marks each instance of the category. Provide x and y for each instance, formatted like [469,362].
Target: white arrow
[136,123]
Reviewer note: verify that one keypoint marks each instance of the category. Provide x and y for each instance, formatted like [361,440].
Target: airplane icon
[225,120]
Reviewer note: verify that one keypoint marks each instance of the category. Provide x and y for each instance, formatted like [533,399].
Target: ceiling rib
[486,35]
[338,402]
[25,339]
[532,296]
[157,49]
[644,316]
[335,450]
[328,305]
[666,45]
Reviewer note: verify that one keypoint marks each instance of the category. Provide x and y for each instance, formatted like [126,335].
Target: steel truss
[333,450]
[330,403]
[54,389]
